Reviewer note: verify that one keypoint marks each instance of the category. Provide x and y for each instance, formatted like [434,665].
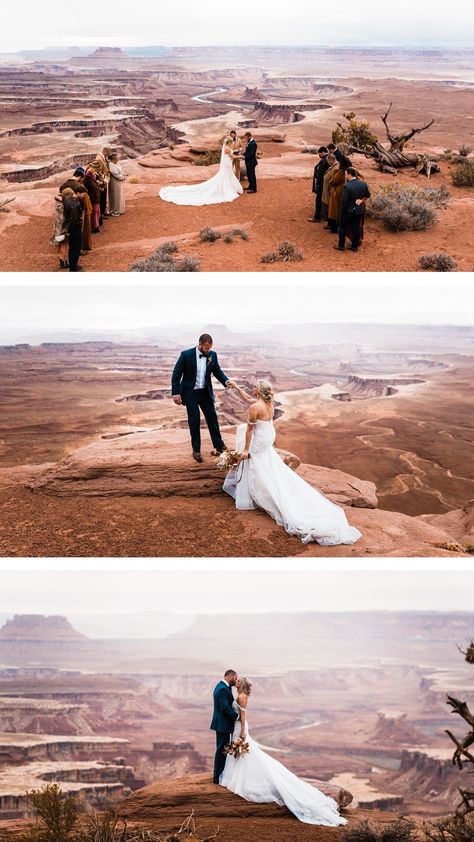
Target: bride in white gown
[222,187]
[262,480]
[256,776]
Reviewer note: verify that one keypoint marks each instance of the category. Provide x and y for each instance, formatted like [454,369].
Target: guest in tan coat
[332,166]
[336,187]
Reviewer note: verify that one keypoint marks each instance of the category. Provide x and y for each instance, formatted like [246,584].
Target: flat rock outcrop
[178,797]
[158,463]
[459,523]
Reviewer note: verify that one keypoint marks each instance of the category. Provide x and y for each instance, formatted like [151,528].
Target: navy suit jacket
[183,379]
[250,154]
[224,716]
[354,189]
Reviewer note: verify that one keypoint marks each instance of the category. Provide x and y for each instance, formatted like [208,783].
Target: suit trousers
[222,739]
[318,208]
[355,222]
[75,242]
[200,399]
[103,201]
[250,167]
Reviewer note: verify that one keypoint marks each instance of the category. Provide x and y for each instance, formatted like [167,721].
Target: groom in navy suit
[191,386]
[250,157]
[223,719]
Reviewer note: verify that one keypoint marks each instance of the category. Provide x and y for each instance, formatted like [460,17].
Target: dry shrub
[162,260]
[454,828]
[57,812]
[134,180]
[437,262]
[269,257]
[211,157]
[469,653]
[209,235]
[403,207]
[310,150]
[228,238]
[464,150]
[463,174]
[403,830]
[289,252]
[240,232]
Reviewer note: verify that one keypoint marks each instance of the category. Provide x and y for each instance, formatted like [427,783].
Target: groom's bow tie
[203,355]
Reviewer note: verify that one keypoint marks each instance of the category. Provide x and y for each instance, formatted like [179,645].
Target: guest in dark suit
[336,152]
[223,719]
[191,386]
[354,196]
[250,157]
[320,171]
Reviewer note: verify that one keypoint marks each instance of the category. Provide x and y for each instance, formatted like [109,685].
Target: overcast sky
[32,25]
[115,592]
[43,308]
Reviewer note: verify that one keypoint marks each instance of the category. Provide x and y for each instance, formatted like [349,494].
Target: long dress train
[258,777]
[222,187]
[264,481]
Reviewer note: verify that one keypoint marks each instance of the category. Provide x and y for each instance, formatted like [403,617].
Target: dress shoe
[251,191]
[351,248]
[339,248]
[197,456]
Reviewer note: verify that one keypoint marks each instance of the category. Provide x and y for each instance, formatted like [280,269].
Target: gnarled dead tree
[462,756]
[392,159]
[5,202]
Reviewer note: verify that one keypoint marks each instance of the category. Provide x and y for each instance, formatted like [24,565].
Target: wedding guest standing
[333,150]
[87,224]
[250,156]
[354,196]
[76,178]
[92,186]
[59,237]
[332,166]
[336,187]
[102,167]
[237,147]
[116,186]
[73,218]
[318,182]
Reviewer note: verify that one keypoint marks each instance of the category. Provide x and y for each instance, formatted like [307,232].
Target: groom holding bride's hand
[191,386]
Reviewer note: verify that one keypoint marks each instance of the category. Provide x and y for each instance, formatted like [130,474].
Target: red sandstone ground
[279,211]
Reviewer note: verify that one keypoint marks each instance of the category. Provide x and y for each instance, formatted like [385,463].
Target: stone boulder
[340,487]
[459,523]
[144,463]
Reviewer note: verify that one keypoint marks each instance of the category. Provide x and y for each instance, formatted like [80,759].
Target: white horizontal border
[292,564]
[266,279]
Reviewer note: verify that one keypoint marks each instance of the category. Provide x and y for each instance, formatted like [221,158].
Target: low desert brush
[209,235]
[463,174]
[403,830]
[405,207]
[450,829]
[437,262]
[162,260]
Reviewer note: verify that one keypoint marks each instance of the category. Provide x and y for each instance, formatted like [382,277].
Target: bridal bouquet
[237,748]
[229,460]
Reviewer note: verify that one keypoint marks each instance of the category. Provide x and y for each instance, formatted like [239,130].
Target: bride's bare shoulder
[242,700]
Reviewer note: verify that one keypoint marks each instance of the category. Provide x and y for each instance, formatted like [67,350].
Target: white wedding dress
[264,481]
[258,777]
[222,187]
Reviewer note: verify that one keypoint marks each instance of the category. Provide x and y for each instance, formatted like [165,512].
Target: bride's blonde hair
[264,390]
[245,685]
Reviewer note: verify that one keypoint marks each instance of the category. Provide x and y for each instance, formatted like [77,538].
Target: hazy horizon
[188,24]
[47,309]
[98,593]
